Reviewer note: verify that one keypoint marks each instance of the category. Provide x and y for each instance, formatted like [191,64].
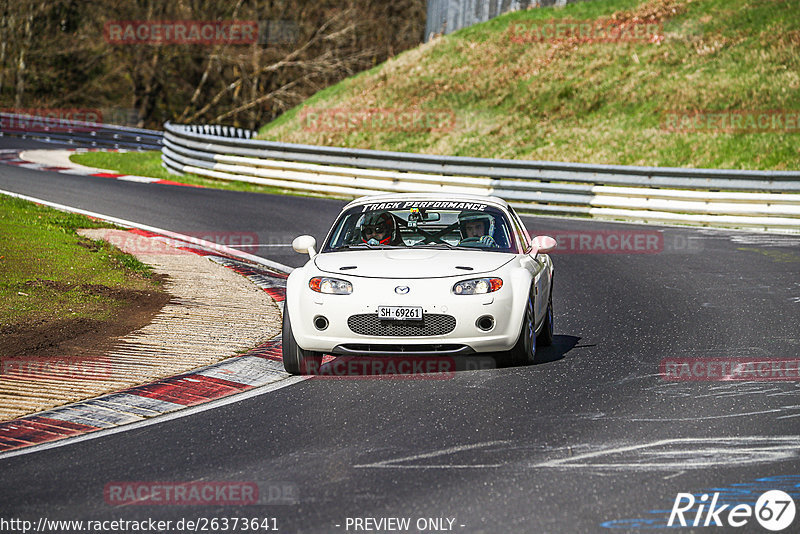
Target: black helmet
[381,222]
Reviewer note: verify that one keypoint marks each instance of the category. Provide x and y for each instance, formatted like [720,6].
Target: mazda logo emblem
[402,290]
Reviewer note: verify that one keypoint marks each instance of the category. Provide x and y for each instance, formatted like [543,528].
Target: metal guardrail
[78,133]
[733,198]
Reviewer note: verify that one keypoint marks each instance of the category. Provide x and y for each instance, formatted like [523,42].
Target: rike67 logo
[774,510]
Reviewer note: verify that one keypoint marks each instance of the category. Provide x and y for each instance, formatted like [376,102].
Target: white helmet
[469,216]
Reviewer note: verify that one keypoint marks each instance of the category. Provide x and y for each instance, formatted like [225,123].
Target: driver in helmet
[379,229]
[476,229]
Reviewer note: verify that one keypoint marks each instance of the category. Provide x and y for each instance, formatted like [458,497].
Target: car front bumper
[436,298]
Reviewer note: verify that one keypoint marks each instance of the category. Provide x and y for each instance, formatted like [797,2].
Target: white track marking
[434,454]
[130,224]
[656,419]
[688,453]
[260,245]
[140,179]
[712,452]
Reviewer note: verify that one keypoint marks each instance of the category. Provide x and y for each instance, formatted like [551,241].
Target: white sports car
[420,275]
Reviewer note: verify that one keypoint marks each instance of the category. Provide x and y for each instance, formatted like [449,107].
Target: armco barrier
[78,133]
[710,197]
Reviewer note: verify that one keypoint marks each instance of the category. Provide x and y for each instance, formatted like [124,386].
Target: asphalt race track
[592,439]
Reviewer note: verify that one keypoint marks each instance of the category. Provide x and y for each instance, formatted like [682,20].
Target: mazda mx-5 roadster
[420,275]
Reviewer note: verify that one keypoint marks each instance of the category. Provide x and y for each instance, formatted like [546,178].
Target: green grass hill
[498,90]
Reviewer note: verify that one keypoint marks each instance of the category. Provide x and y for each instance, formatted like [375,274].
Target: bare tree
[25,44]
[304,46]
[5,29]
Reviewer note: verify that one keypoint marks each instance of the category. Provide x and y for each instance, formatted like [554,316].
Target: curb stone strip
[259,366]
[13,158]
[274,283]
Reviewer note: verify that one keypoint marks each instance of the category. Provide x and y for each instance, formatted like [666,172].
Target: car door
[542,283]
[531,263]
[539,268]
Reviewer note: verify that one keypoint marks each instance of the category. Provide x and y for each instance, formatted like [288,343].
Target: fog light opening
[485,323]
[320,322]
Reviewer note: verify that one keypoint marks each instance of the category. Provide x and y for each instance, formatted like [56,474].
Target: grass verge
[50,277]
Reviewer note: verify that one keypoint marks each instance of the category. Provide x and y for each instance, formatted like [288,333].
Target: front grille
[433,324]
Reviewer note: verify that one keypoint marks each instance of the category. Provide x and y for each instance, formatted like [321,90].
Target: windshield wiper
[364,245]
[353,246]
[436,245]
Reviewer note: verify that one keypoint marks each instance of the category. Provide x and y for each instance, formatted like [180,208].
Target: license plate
[400,313]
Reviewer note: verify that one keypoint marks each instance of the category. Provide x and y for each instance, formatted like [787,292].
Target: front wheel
[297,361]
[524,352]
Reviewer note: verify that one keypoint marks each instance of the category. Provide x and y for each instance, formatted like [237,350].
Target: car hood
[411,263]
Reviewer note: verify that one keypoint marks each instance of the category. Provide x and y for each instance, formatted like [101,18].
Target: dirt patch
[75,337]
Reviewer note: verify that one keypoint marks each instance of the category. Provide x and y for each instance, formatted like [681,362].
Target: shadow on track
[544,355]
[560,347]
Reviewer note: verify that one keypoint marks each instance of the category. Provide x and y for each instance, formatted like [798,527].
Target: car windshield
[420,224]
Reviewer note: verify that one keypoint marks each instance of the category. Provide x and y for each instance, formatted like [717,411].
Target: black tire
[524,352]
[545,337]
[297,361]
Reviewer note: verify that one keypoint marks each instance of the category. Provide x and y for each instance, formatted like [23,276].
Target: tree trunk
[5,24]
[25,44]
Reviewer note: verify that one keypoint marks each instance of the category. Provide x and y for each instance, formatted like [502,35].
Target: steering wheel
[483,241]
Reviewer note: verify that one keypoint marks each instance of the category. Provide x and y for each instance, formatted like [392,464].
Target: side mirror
[305,243]
[544,244]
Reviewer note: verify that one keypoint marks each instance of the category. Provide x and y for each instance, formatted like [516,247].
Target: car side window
[522,232]
[502,233]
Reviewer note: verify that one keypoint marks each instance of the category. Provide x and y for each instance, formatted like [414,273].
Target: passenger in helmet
[476,229]
[379,229]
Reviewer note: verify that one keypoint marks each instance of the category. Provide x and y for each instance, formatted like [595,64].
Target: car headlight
[330,286]
[477,286]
